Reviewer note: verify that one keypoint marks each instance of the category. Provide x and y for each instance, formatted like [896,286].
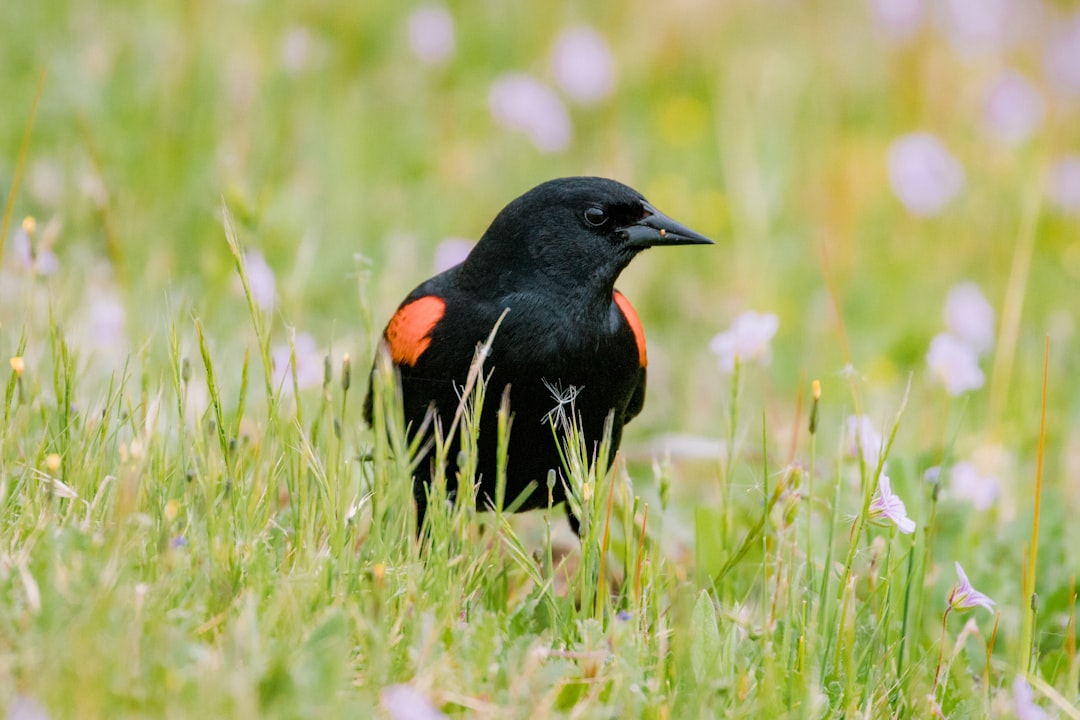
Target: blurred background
[854,160]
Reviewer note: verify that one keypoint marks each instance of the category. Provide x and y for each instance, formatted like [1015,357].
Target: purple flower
[452,251]
[1026,707]
[888,507]
[431,34]
[582,64]
[962,596]
[1063,184]
[967,483]
[1013,109]
[1061,59]
[923,173]
[969,317]
[261,279]
[863,435]
[899,19]
[747,339]
[954,364]
[520,102]
[404,702]
[309,364]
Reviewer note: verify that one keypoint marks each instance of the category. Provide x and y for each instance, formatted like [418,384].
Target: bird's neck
[588,288]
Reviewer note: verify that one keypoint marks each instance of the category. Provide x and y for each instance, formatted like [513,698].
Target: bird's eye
[595,216]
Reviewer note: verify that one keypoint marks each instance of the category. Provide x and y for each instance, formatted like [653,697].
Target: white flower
[582,64]
[450,252]
[863,435]
[431,34]
[748,339]
[899,19]
[520,102]
[261,279]
[923,173]
[969,317]
[1063,184]
[954,364]
[967,483]
[1013,109]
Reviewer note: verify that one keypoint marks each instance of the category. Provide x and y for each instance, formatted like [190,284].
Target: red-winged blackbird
[550,258]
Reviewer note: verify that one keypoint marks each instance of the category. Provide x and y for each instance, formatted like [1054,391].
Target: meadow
[850,492]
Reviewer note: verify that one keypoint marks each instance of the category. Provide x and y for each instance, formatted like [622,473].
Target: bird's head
[580,232]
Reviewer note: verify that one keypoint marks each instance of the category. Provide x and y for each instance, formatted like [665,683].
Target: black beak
[656,228]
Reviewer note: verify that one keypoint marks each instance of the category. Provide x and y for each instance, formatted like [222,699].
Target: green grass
[187,531]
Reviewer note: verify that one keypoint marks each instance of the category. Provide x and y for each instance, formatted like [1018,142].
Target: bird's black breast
[543,346]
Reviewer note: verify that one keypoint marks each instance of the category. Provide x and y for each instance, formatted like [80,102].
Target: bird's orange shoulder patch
[408,333]
[635,324]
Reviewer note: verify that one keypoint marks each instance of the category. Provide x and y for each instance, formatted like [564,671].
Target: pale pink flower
[261,279]
[309,364]
[450,252]
[1026,707]
[962,596]
[863,435]
[954,364]
[747,339]
[979,27]
[196,399]
[582,65]
[404,702]
[25,707]
[93,189]
[1013,109]
[885,506]
[1063,184]
[107,318]
[899,19]
[521,102]
[296,49]
[969,317]
[684,446]
[36,256]
[431,34]
[967,483]
[924,174]
[22,244]
[1061,58]
[46,182]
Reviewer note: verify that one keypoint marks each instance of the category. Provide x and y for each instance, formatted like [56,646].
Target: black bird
[550,259]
